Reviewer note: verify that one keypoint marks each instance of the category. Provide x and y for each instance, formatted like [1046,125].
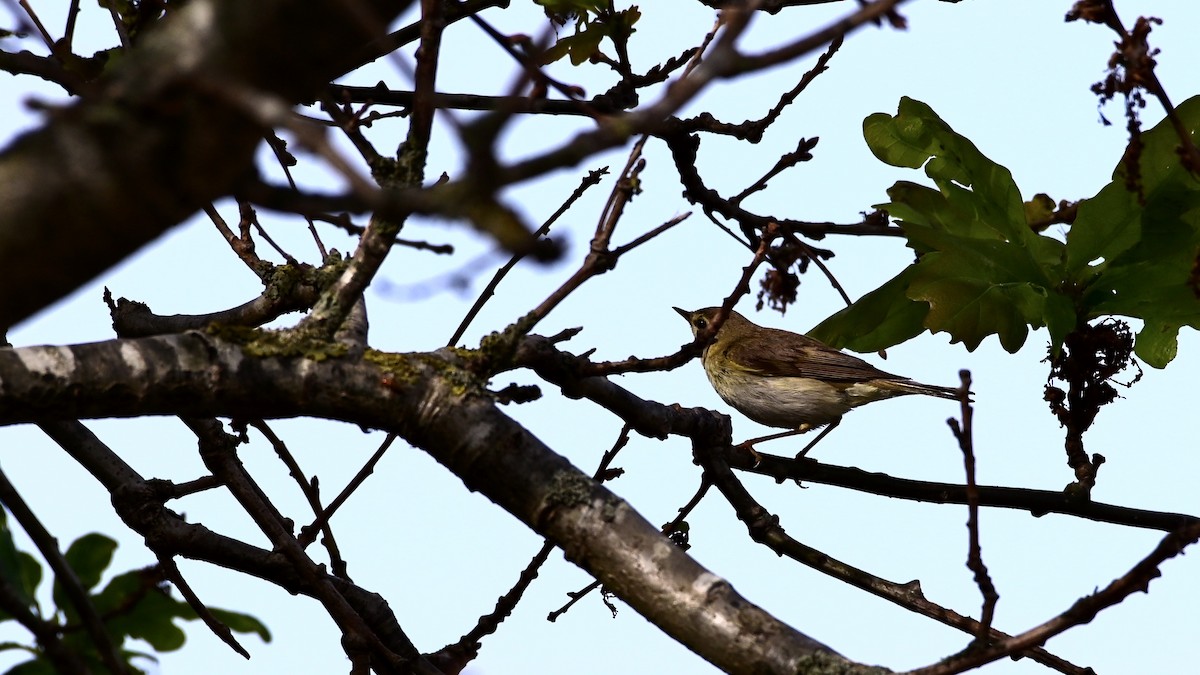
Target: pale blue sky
[1008,74]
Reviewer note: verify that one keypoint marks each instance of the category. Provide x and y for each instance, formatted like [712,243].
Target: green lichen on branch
[822,663]
[570,489]
[332,268]
[404,367]
[450,364]
[282,282]
[496,350]
[407,171]
[387,172]
[264,343]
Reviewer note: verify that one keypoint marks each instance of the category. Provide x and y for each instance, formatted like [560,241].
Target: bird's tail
[914,387]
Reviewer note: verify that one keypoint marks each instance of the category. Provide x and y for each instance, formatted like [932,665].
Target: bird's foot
[748,446]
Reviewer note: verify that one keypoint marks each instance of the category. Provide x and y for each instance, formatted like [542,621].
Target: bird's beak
[687,316]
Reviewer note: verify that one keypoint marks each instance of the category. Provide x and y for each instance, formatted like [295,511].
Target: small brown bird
[787,380]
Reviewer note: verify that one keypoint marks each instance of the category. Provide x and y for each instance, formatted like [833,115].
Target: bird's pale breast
[784,402]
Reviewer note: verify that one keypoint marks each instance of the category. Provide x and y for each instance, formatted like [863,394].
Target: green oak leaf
[1140,259]
[980,270]
[19,571]
[884,317]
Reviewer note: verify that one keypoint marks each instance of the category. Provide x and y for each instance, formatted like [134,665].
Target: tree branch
[431,402]
[150,147]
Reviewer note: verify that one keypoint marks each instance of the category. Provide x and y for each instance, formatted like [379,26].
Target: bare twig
[963,434]
[764,528]
[408,171]
[1035,502]
[1085,609]
[602,474]
[218,627]
[247,219]
[673,529]
[692,349]
[286,159]
[307,533]
[532,71]
[37,23]
[69,32]
[311,492]
[168,490]
[453,658]
[217,452]
[593,178]
[600,258]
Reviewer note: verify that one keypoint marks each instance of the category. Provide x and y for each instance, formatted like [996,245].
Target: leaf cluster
[136,604]
[593,23]
[981,269]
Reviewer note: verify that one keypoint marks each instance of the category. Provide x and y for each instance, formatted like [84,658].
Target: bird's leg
[823,434]
[783,434]
[749,445]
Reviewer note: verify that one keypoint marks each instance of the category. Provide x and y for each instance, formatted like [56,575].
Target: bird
[792,381]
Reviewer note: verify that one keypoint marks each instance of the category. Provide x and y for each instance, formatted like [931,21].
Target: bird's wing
[784,354]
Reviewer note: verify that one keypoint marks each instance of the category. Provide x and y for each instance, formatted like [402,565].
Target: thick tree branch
[431,401]
[151,147]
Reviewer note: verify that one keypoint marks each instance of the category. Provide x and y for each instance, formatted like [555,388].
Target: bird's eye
[701,323]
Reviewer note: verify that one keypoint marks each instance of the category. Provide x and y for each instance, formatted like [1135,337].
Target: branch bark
[158,140]
[435,403]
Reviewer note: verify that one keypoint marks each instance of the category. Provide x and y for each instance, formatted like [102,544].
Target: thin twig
[218,627]
[599,258]
[602,474]
[37,23]
[1084,610]
[672,529]
[765,528]
[312,495]
[167,490]
[217,453]
[692,349]
[643,238]
[285,160]
[322,522]
[69,31]
[963,434]
[248,218]
[532,70]
[593,178]
[243,247]
[811,254]
[467,647]
[573,597]
[409,171]
[1036,502]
